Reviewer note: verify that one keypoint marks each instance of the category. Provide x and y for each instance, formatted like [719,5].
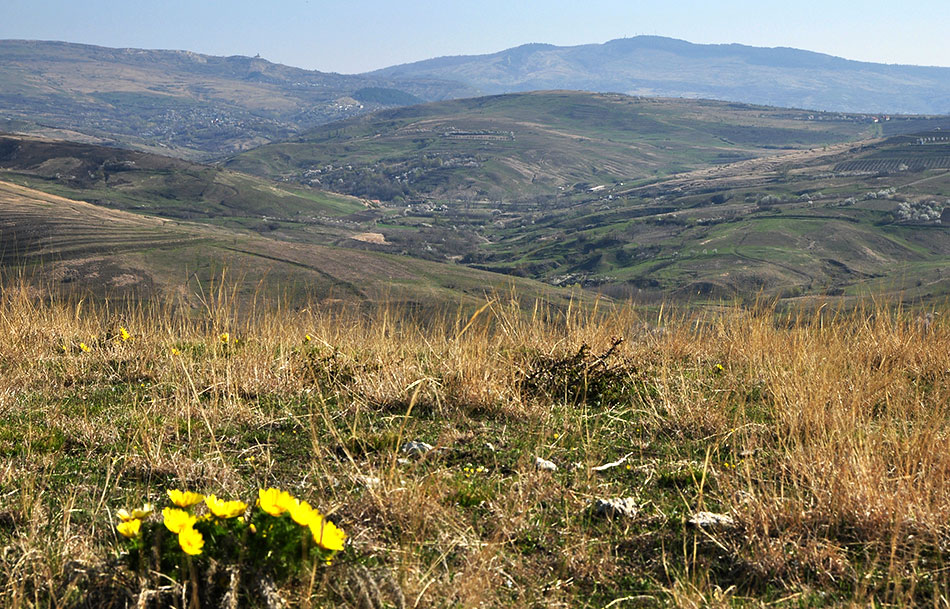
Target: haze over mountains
[184,103]
[656,66]
[201,107]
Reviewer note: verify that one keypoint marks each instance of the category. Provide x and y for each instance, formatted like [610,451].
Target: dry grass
[824,435]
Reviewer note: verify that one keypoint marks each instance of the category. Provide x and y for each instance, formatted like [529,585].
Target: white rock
[625,507]
[544,465]
[416,448]
[710,520]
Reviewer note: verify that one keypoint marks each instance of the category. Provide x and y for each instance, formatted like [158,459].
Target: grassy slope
[68,245]
[161,185]
[824,439]
[717,233]
[708,233]
[517,146]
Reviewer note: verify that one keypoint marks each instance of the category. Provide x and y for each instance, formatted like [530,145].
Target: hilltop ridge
[667,67]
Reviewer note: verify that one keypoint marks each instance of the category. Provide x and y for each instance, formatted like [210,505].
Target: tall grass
[823,434]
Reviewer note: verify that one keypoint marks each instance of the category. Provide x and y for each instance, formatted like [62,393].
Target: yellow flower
[184,499]
[137,514]
[302,513]
[191,541]
[178,520]
[287,501]
[84,348]
[307,338]
[326,534]
[224,337]
[225,509]
[270,501]
[129,528]
[175,351]
[124,334]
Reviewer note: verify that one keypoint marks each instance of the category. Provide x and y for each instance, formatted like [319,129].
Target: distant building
[945,216]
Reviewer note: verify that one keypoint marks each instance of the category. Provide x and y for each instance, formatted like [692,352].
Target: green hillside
[61,245]
[519,146]
[783,214]
[808,223]
[164,186]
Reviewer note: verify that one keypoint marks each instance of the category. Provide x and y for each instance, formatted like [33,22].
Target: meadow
[818,436]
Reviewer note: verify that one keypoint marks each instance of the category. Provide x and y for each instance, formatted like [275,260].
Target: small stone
[402,461]
[544,465]
[712,520]
[490,447]
[625,507]
[416,448]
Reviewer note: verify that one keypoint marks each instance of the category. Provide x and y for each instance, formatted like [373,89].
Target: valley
[648,199]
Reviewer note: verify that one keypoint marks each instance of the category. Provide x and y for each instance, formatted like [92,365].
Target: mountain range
[657,66]
[350,187]
[182,103]
[203,107]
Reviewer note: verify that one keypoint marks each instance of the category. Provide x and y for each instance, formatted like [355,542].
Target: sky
[352,36]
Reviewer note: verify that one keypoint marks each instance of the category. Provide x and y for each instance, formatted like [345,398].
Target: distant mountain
[191,105]
[656,66]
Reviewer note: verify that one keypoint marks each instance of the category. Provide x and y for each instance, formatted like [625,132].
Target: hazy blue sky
[358,35]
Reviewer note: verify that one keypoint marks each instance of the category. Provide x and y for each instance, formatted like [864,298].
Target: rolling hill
[566,188]
[657,66]
[647,197]
[61,245]
[852,220]
[524,145]
[182,103]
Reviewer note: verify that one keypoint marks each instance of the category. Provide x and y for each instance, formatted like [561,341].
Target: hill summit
[657,66]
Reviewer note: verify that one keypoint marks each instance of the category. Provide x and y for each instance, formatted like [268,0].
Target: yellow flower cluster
[124,335]
[468,470]
[132,520]
[325,534]
[728,465]
[180,521]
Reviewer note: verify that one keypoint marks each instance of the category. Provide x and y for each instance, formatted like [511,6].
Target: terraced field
[918,152]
